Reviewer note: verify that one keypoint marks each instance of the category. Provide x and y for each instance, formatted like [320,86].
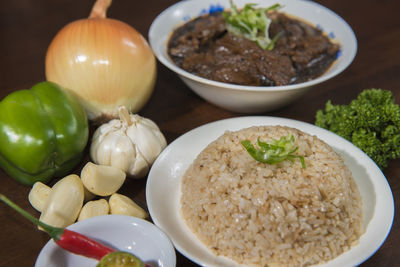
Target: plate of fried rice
[328,204]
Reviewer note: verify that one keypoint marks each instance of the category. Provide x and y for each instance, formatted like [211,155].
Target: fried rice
[259,214]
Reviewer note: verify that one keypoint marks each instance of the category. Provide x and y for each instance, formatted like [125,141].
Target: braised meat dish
[204,47]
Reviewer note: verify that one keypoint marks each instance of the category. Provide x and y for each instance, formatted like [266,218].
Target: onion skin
[105,63]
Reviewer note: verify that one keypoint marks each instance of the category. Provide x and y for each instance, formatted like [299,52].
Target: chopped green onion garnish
[275,151]
[251,23]
[271,44]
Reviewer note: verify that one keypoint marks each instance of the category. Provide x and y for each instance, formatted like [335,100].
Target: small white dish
[252,99]
[126,233]
[163,189]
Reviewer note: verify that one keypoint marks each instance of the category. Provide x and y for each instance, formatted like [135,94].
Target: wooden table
[27,27]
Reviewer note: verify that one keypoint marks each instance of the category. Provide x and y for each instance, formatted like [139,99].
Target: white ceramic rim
[163,179]
[168,63]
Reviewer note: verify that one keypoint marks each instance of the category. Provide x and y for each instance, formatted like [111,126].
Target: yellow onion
[105,62]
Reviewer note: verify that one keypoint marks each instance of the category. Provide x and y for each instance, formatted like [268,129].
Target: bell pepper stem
[54,232]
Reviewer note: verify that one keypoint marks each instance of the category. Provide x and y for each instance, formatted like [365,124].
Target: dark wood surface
[27,27]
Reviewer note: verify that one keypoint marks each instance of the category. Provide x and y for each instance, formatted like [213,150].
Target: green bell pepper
[43,132]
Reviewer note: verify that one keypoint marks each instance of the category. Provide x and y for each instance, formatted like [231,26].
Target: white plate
[163,189]
[126,233]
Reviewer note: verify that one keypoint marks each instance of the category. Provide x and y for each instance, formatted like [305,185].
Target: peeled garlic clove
[94,208]
[123,205]
[64,202]
[102,180]
[39,195]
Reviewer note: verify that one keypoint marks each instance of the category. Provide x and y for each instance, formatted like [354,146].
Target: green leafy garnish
[371,122]
[251,23]
[275,151]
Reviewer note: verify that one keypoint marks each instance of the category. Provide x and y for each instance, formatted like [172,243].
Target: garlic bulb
[131,143]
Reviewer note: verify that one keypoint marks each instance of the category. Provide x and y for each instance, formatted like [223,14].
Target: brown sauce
[205,48]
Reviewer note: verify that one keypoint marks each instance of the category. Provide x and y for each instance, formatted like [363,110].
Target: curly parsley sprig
[371,122]
[252,23]
[275,151]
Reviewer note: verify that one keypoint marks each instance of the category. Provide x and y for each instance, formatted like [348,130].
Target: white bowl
[125,233]
[251,99]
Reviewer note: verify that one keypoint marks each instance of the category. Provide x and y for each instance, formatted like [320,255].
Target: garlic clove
[151,125]
[64,202]
[116,149]
[156,131]
[94,208]
[123,205]
[39,195]
[124,154]
[102,180]
[105,129]
[146,141]
[140,167]
[98,150]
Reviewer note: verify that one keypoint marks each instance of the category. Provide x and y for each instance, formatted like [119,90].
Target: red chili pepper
[79,244]
[69,240]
